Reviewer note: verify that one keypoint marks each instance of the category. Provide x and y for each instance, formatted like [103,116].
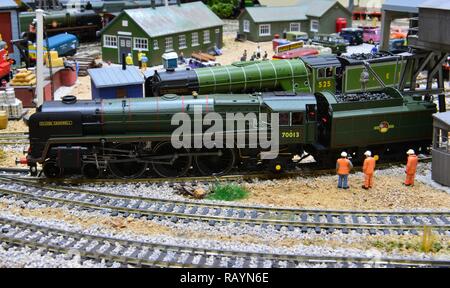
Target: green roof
[314,8]
[174,19]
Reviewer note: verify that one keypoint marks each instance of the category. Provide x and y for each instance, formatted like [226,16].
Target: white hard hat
[368,153]
[410,152]
[344,154]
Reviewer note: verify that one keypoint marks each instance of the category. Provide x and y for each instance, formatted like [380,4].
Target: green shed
[319,16]
[186,28]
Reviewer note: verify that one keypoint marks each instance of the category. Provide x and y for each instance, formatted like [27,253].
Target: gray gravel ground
[266,236]
[24,257]
[167,191]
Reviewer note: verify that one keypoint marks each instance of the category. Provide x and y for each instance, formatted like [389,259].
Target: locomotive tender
[127,137]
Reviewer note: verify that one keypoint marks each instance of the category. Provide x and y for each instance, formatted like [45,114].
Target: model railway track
[307,170]
[214,213]
[160,255]
[14,138]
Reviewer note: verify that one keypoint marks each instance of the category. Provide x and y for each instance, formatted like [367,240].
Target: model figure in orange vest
[343,168]
[368,170]
[411,167]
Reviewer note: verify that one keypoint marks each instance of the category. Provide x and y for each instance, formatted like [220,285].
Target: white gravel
[25,257]
[265,245]
[167,192]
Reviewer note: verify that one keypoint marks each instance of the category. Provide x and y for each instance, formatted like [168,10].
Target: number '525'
[325,84]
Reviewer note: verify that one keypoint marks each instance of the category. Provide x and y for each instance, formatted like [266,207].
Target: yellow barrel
[3,120]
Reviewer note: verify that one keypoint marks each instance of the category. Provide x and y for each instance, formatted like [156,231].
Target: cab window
[297,118]
[284,119]
[321,73]
[329,72]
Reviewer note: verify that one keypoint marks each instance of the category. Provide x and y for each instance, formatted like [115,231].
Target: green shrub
[223,8]
[228,192]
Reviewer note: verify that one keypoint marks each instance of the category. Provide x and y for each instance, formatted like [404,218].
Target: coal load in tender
[359,97]
[366,56]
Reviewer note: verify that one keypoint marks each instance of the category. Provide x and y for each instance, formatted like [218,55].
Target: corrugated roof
[406,6]
[174,19]
[115,76]
[436,4]
[317,8]
[443,117]
[273,3]
[277,14]
[8,4]
[303,8]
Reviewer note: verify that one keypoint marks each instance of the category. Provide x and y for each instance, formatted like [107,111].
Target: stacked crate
[54,59]
[23,78]
[10,104]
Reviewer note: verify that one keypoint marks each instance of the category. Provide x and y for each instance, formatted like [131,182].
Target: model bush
[228,192]
[224,8]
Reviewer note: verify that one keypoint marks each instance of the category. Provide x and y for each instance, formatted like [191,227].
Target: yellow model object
[54,59]
[3,120]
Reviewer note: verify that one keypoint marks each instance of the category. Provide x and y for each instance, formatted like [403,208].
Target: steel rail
[30,182]
[308,171]
[288,220]
[22,231]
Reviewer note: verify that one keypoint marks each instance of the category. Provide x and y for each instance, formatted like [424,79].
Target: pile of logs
[87,57]
[204,57]
[85,63]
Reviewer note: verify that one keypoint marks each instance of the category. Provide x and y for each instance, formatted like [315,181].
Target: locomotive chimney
[124,64]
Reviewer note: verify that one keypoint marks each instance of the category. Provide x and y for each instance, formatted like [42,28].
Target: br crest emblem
[384,127]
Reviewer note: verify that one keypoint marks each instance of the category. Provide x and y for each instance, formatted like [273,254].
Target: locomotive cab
[297,116]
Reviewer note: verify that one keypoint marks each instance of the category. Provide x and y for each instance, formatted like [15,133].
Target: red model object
[340,23]
[296,53]
[5,62]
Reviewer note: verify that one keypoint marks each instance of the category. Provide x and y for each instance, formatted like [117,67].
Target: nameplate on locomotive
[55,123]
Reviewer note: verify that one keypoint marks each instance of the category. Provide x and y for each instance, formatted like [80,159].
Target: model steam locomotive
[308,74]
[127,137]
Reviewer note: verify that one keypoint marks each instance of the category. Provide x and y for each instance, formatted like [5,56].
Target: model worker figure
[364,79]
[129,59]
[144,62]
[411,167]
[244,56]
[368,169]
[343,168]
[140,54]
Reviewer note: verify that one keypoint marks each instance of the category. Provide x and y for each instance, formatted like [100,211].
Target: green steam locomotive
[336,74]
[131,137]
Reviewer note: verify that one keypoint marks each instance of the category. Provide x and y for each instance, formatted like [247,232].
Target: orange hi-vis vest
[411,165]
[343,166]
[369,165]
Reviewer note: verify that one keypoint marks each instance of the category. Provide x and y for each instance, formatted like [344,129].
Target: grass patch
[414,245]
[228,192]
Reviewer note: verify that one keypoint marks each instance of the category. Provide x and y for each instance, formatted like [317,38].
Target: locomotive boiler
[241,77]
